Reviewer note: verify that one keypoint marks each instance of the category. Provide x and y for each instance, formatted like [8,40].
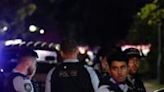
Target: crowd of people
[115,71]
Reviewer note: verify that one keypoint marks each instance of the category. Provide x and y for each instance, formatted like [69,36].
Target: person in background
[134,58]
[118,72]
[20,78]
[101,65]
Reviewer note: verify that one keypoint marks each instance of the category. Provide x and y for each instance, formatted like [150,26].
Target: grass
[152,85]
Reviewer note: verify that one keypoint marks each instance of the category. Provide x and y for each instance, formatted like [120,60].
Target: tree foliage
[145,29]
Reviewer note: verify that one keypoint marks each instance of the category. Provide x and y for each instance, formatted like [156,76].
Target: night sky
[95,22]
[91,21]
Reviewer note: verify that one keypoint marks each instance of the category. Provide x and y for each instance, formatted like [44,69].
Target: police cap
[132,52]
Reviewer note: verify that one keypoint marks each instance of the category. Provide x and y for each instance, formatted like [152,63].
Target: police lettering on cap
[132,52]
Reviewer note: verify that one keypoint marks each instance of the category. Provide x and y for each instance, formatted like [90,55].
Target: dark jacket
[113,86]
[22,82]
[71,77]
[137,83]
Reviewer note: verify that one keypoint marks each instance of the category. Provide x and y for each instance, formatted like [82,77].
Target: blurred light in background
[82,50]
[1,70]
[23,43]
[88,61]
[13,42]
[57,47]
[51,45]
[144,49]
[3,26]
[43,44]
[37,43]
[42,31]
[32,28]
[90,54]
[29,43]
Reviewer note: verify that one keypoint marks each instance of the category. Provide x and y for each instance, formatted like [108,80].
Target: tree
[147,28]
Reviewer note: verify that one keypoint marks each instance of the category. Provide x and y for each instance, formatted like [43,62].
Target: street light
[32,28]
[42,31]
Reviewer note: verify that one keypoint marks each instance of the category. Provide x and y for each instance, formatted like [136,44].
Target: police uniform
[136,83]
[72,76]
[110,85]
[18,82]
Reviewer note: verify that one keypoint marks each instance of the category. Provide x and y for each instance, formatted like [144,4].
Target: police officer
[118,71]
[20,78]
[101,65]
[71,75]
[133,64]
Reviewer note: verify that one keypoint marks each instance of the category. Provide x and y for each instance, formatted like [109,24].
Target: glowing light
[37,43]
[145,49]
[82,50]
[50,45]
[23,43]
[5,28]
[13,42]
[42,31]
[1,70]
[32,28]
[89,62]
[43,44]
[57,47]
[90,54]
[29,43]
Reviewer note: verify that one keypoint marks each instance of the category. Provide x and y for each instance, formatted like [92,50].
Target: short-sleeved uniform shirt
[19,83]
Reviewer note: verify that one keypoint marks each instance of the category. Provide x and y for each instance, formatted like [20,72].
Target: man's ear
[61,53]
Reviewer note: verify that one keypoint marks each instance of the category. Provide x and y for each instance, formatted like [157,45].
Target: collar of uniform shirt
[112,80]
[122,86]
[131,79]
[15,71]
[71,60]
